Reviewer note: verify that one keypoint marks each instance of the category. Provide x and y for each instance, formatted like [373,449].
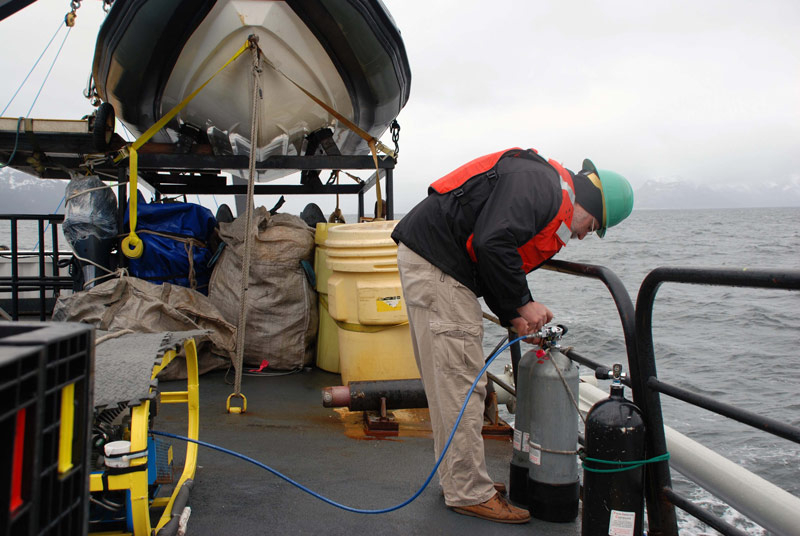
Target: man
[481,229]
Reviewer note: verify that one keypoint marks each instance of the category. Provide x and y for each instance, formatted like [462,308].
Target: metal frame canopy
[175,174]
[55,149]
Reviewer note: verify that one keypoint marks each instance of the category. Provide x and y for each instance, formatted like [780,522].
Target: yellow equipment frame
[137,482]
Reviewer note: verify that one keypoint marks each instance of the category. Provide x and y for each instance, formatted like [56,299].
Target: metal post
[661,512]
[56,257]
[14,271]
[389,195]
[122,175]
[40,256]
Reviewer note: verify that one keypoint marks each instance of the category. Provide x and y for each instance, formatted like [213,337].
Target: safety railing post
[660,512]
[41,283]
[14,270]
[389,194]
[661,515]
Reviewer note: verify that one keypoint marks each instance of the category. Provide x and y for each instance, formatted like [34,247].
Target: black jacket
[503,214]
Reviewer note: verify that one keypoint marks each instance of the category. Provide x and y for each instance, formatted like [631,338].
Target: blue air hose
[330,501]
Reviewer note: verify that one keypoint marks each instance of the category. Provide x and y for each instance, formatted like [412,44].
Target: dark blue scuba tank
[613,498]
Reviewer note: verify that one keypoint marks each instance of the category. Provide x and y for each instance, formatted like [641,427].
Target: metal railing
[47,280]
[661,520]
[645,386]
[660,512]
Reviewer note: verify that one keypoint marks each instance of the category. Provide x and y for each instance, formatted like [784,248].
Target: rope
[569,391]
[189,243]
[48,72]
[119,272]
[76,194]
[116,334]
[188,247]
[626,466]
[14,96]
[554,451]
[374,144]
[240,328]
[337,216]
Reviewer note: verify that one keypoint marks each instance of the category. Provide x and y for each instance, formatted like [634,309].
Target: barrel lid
[368,234]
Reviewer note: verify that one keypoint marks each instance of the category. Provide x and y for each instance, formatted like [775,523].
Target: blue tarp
[166,259]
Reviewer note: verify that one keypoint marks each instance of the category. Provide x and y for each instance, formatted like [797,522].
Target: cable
[60,25]
[48,73]
[330,501]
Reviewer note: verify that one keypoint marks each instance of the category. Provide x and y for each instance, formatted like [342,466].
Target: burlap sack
[281,304]
[135,304]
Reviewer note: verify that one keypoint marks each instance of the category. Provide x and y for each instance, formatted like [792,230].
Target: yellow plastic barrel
[327,335]
[366,301]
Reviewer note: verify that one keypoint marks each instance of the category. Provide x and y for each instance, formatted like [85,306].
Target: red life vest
[546,242]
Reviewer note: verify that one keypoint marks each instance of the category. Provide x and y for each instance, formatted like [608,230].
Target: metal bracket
[380,422]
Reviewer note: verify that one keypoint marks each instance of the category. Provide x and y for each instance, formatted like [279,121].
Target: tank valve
[550,335]
[616,373]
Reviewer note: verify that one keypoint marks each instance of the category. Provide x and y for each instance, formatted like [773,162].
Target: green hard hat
[617,195]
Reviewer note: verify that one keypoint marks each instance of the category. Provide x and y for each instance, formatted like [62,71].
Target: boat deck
[287,428]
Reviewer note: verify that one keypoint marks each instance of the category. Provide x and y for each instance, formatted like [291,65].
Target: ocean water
[738,345]
[735,344]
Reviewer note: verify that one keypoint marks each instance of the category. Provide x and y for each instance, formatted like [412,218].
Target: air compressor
[613,483]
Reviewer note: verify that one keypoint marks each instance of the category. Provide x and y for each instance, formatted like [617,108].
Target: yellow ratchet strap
[374,144]
[132,245]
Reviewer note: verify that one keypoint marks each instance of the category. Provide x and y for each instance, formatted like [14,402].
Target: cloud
[702,90]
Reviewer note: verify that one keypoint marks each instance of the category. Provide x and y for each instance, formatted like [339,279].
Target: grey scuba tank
[553,481]
[518,475]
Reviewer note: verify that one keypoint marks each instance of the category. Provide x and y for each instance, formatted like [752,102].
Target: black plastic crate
[19,407]
[46,371]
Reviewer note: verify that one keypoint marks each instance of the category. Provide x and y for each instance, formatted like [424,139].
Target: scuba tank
[553,481]
[518,477]
[613,502]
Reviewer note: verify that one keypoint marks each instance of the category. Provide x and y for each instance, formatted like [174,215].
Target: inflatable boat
[151,54]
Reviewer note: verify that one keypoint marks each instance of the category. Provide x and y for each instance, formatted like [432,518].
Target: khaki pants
[446,329]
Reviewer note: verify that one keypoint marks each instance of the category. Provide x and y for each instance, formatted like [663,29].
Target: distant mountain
[677,193]
[21,193]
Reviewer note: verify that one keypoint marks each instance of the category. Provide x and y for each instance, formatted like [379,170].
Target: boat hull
[151,55]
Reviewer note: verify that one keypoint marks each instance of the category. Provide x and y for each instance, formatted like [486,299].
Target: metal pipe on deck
[399,394]
[367,395]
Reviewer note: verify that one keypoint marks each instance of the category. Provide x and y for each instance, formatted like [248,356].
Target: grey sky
[705,91]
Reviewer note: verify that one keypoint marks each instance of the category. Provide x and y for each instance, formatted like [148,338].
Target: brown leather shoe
[495,509]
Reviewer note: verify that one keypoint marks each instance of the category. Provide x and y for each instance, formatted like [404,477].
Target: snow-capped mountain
[673,192]
[21,193]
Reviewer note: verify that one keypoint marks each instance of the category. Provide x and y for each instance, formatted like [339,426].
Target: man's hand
[532,317]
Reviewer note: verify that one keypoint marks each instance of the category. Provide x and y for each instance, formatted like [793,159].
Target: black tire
[103,128]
